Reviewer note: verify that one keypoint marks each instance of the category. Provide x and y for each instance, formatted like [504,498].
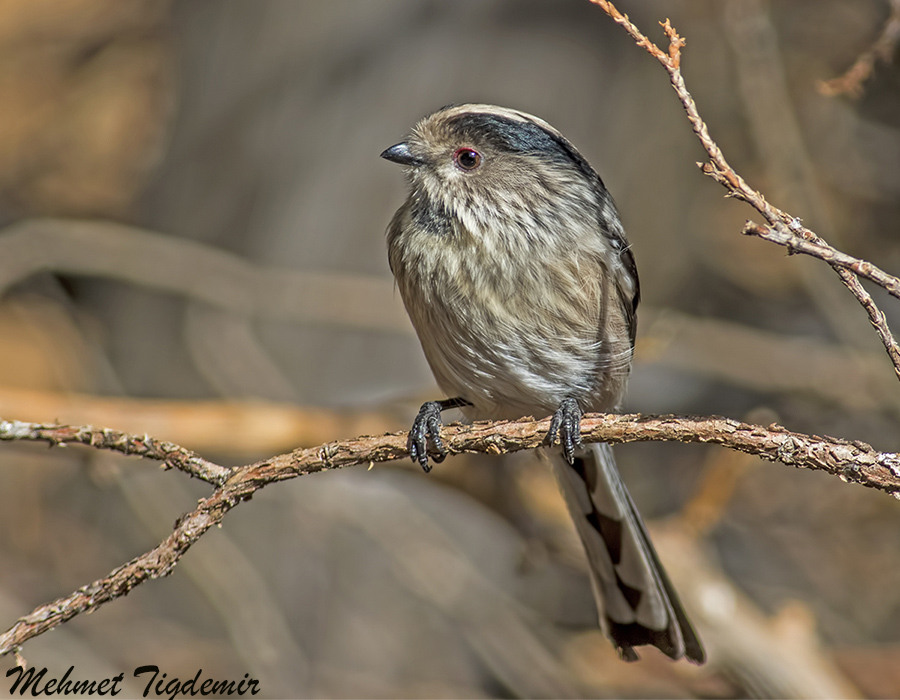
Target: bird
[513,265]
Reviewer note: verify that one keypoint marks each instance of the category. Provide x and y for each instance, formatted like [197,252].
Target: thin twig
[850,461]
[824,252]
[882,49]
[778,138]
[783,229]
[798,239]
[170,454]
[876,316]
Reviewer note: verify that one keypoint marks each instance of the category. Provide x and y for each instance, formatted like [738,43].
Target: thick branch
[850,461]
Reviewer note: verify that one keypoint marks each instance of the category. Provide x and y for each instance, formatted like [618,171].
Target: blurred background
[193,211]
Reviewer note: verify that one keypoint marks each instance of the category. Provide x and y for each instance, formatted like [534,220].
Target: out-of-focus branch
[882,49]
[115,251]
[762,361]
[224,281]
[851,461]
[783,229]
[770,656]
[236,427]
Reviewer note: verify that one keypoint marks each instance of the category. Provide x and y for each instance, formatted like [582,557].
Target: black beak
[400,154]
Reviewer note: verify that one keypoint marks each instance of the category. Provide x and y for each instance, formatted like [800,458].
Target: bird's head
[479,162]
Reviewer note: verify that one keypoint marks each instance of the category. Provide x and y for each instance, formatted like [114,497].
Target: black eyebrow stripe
[514,136]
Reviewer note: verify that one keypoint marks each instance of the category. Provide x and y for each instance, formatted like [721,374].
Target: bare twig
[783,229]
[170,454]
[882,49]
[819,249]
[851,461]
[786,164]
[798,239]
[876,316]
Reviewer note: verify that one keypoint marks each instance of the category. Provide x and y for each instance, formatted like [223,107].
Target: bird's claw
[565,427]
[427,425]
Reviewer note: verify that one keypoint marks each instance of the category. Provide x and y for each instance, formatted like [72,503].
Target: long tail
[635,599]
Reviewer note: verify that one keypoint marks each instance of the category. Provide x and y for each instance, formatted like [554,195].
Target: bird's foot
[565,427]
[426,425]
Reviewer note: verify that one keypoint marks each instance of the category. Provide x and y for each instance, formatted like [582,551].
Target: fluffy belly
[509,365]
[511,334]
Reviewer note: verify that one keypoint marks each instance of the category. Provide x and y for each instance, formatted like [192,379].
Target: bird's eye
[467,158]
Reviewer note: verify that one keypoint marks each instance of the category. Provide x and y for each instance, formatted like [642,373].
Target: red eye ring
[467,158]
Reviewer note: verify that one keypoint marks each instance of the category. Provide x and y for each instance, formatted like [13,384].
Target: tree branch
[882,49]
[197,271]
[850,461]
[170,454]
[783,229]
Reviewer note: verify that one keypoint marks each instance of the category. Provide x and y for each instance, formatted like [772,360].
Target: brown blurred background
[214,273]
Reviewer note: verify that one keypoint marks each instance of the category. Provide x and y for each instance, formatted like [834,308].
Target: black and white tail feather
[636,602]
